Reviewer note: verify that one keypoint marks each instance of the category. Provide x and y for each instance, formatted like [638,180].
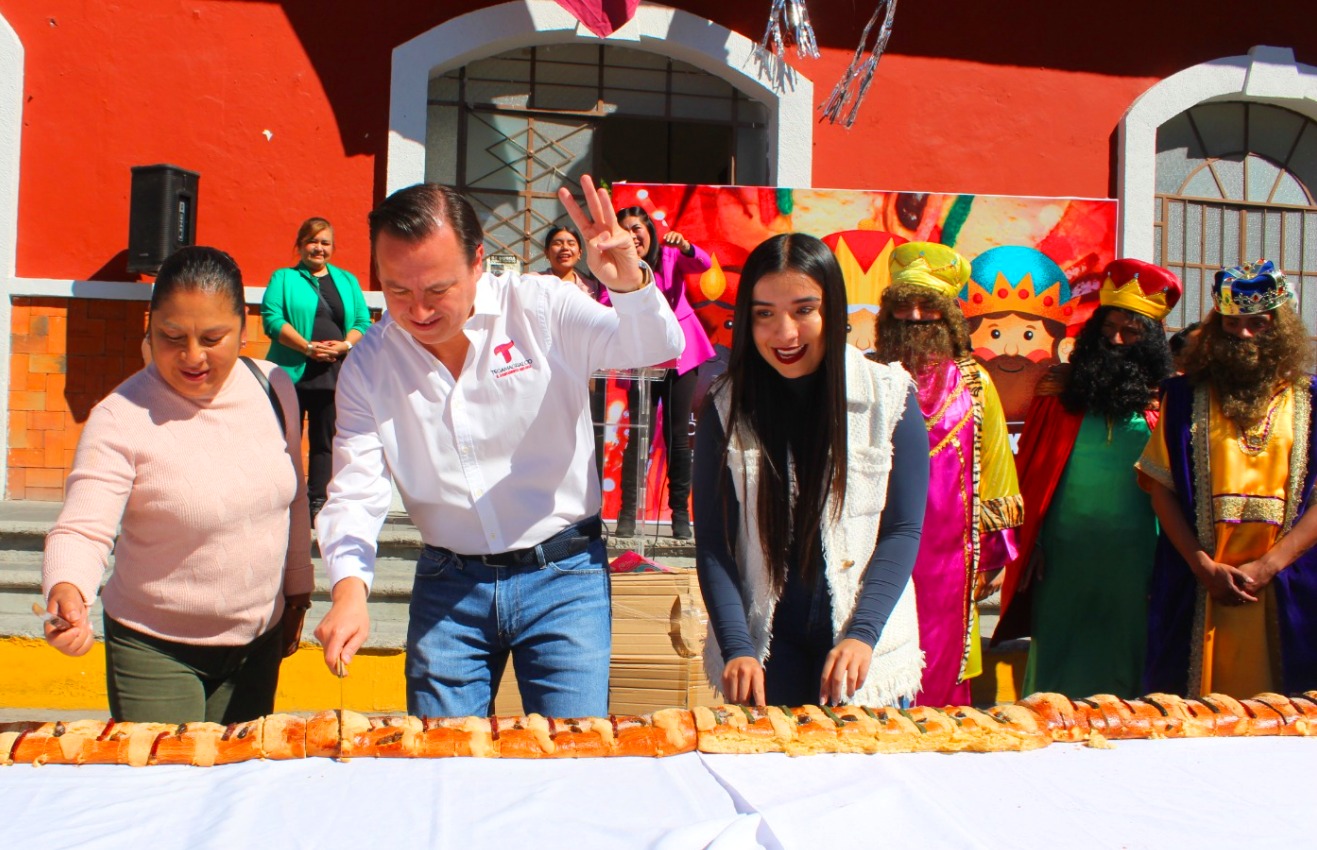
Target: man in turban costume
[1230,467]
[1080,585]
[974,500]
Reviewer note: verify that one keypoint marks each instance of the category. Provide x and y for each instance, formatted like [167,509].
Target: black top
[328,325]
[717,510]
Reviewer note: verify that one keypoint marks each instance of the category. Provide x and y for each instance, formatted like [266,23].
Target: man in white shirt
[471,394]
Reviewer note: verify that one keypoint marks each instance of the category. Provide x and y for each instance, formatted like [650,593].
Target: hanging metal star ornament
[854,83]
[788,23]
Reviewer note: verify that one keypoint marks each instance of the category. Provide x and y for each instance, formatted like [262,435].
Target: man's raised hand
[610,251]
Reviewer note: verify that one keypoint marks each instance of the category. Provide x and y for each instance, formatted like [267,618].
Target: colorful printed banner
[1036,265]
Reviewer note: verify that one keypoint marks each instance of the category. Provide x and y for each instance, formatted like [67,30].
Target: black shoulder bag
[269,392]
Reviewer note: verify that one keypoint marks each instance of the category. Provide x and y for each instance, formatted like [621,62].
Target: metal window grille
[510,129]
[1233,186]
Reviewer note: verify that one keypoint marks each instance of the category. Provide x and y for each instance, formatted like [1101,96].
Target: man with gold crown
[974,501]
[1230,469]
[1080,585]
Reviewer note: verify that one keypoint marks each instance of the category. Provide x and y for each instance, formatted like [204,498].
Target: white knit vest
[875,399]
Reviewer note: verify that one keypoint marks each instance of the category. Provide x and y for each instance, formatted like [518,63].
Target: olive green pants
[150,679]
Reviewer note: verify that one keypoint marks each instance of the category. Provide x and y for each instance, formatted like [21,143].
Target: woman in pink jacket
[671,258]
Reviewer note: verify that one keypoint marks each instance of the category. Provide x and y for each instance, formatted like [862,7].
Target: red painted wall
[960,104]
[947,125]
[193,84]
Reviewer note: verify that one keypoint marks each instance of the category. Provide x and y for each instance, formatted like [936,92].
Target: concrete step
[398,539]
[400,543]
[20,586]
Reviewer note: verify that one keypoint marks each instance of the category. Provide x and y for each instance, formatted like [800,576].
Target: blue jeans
[466,617]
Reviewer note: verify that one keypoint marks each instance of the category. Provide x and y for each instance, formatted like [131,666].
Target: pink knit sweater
[201,495]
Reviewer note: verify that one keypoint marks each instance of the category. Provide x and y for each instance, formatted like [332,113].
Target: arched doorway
[659,30]
[508,130]
[1234,183]
[1266,75]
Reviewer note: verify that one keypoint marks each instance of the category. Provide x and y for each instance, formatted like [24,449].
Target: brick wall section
[68,354]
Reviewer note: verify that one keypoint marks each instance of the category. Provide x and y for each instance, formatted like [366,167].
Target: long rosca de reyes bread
[1033,722]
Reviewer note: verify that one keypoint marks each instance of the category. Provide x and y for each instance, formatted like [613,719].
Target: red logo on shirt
[510,367]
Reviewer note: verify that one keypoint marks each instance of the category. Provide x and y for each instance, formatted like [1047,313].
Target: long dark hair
[790,531]
[655,249]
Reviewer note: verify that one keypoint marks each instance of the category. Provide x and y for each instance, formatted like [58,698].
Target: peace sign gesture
[610,250]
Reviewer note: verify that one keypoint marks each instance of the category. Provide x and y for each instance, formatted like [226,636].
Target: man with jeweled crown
[1080,585]
[974,501]
[1230,468]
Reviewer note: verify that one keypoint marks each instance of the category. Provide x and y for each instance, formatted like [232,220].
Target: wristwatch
[348,343]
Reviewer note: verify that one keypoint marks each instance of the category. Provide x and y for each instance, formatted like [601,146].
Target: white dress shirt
[500,458]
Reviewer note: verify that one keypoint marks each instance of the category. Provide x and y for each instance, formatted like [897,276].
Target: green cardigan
[291,296]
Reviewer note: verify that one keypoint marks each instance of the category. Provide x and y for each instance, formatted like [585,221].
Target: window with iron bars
[510,129]
[1233,185]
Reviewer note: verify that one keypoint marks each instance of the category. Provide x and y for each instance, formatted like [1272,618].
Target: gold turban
[930,265]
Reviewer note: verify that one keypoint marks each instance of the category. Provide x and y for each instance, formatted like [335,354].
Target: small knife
[56,622]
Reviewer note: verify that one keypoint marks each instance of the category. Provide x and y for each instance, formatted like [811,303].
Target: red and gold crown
[863,257]
[1140,287]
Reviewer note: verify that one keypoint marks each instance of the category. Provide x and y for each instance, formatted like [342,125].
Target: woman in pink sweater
[188,462]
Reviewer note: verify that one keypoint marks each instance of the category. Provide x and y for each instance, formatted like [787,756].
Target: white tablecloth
[1143,794]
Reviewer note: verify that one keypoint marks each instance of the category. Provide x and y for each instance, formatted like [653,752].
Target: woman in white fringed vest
[811,473]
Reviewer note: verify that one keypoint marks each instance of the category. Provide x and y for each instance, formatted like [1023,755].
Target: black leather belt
[572,540]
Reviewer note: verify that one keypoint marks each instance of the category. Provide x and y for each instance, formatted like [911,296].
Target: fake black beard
[1115,380]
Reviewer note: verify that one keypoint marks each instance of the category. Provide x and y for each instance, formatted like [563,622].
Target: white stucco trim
[119,290]
[1266,75]
[658,29]
[11,131]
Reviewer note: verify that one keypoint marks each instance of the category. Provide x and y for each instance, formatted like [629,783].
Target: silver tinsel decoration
[854,83]
[788,22]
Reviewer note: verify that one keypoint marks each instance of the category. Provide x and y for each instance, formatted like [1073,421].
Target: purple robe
[1175,592]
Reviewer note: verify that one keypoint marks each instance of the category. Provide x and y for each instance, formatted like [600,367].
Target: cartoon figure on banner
[864,257]
[910,215]
[1017,304]
[713,294]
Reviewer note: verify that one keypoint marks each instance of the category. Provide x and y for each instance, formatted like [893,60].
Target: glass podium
[636,428]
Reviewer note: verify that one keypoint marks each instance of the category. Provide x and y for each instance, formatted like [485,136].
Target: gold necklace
[1253,441]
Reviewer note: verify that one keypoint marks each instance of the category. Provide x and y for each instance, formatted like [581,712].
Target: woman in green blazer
[314,313]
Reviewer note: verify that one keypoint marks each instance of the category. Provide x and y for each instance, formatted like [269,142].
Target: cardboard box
[659,625]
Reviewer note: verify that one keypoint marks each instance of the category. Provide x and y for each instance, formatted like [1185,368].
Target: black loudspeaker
[162,214]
